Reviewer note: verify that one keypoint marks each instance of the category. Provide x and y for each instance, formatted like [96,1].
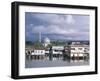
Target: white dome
[46,40]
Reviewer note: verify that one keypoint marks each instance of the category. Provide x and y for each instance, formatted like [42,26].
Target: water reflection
[54,61]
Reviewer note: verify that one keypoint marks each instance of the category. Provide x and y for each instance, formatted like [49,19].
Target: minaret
[40,37]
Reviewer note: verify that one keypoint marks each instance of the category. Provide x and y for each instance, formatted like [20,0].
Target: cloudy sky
[56,26]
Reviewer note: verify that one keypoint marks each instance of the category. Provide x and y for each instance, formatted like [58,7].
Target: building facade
[75,50]
[38,54]
[79,51]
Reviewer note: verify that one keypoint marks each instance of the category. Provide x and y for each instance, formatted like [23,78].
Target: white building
[57,49]
[38,52]
[79,50]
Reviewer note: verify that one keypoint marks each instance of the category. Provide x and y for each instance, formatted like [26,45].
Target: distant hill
[59,42]
[53,37]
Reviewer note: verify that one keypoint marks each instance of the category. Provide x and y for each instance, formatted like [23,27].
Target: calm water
[54,63]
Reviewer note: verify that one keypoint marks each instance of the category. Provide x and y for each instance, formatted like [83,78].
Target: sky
[56,26]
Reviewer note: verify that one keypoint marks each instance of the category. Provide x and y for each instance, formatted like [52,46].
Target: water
[54,63]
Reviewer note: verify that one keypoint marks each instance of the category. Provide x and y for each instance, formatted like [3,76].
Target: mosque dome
[46,40]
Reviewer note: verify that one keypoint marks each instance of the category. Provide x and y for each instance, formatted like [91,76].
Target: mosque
[46,42]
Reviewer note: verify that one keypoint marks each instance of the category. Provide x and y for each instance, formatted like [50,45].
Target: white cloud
[31,25]
[70,19]
[36,29]
[60,24]
[55,29]
[55,18]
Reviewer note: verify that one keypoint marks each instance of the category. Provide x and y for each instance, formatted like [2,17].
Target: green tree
[37,44]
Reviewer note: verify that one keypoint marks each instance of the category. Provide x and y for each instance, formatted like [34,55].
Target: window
[56,50]
[72,48]
[41,51]
[35,51]
[80,48]
[86,48]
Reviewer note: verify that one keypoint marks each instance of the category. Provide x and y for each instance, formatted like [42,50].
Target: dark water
[54,63]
